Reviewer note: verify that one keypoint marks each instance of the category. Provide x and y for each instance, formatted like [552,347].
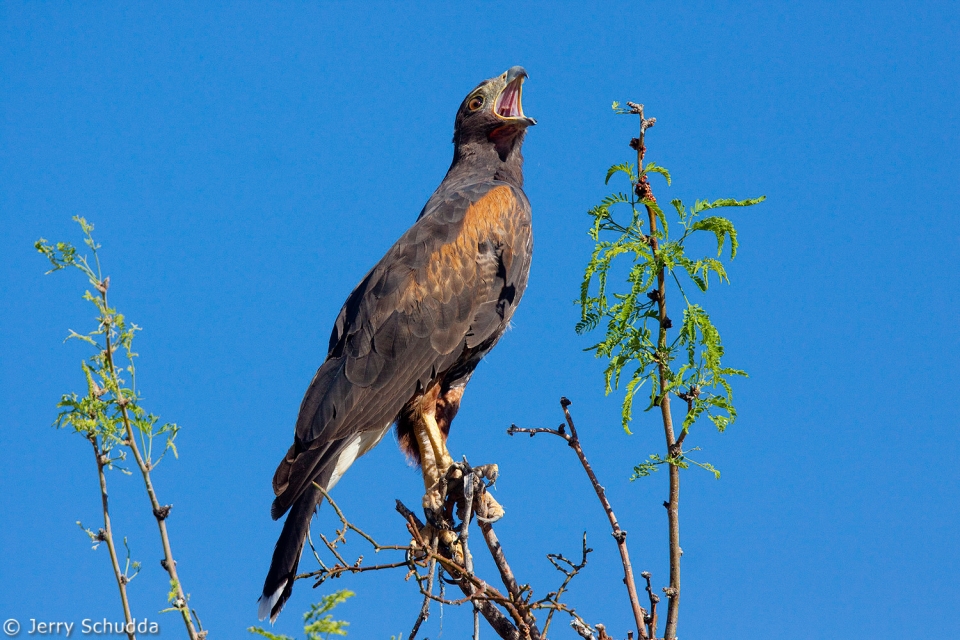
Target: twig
[687,396]
[337,570]
[108,538]
[654,599]
[349,525]
[618,534]
[425,607]
[554,598]
[316,556]
[408,515]
[201,631]
[333,550]
[471,488]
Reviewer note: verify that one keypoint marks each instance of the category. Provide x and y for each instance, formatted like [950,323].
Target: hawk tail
[286,555]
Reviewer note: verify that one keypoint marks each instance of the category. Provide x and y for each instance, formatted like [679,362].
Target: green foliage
[110,403]
[260,631]
[647,467]
[681,460]
[636,343]
[174,599]
[318,622]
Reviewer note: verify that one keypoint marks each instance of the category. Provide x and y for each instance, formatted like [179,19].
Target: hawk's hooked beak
[508,106]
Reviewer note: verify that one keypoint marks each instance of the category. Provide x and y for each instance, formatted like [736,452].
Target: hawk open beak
[508,105]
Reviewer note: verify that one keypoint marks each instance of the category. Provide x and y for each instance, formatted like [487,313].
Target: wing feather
[436,296]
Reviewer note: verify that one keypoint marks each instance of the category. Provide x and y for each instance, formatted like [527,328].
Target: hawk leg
[430,443]
[434,459]
[448,404]
[433,445]
[427,419]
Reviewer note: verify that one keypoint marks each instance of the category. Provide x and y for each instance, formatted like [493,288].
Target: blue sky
[245,164]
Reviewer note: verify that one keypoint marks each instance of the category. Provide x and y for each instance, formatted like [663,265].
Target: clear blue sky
[246,164]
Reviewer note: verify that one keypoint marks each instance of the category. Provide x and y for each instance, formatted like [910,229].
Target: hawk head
[492,113]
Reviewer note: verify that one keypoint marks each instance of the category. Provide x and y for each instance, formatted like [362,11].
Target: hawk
[410,335]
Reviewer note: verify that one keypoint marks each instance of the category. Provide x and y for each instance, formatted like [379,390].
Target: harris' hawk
[410,335]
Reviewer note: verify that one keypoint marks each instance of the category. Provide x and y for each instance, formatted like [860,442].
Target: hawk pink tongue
[509,106]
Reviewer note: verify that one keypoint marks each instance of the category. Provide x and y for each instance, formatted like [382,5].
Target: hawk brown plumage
[410,335]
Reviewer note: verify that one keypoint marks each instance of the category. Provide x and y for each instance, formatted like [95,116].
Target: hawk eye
[475,103]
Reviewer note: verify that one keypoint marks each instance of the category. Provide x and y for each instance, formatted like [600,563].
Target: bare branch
[349,525]
[425,607]
[526,622]
[436,548]
[554,597]
[651,618]
[618,534]
[107,536]
[559,431]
